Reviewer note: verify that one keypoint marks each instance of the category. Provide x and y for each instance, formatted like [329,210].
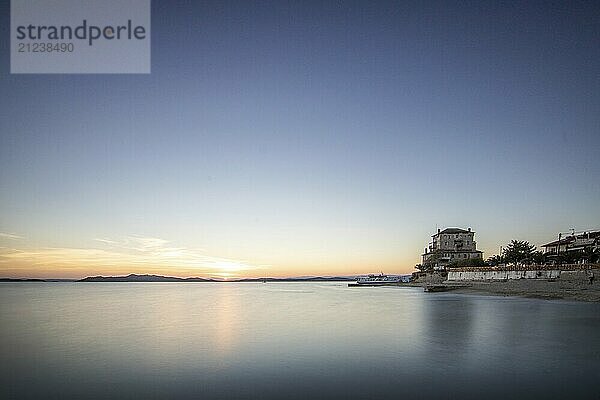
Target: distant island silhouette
[142,278]
[22,280]
[160,278]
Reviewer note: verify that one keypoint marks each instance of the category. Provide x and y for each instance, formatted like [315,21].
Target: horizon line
[213,279]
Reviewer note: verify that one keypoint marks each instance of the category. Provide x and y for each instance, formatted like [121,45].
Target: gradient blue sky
[280,138]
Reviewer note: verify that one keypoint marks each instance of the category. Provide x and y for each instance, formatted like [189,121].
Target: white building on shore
[585,243]
[451,245]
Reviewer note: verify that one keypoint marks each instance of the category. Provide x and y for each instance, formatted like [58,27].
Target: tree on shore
[431,262]
[422,267]
[495,260]
[591,255]
[518,251]
[588,255]
[538,257]
[469,262]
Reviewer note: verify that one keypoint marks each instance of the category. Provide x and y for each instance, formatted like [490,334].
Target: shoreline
[526,288]
[531,289]
[570,284]
[592,296]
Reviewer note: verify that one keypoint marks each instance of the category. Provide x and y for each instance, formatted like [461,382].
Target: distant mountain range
[160,278]
[142,278]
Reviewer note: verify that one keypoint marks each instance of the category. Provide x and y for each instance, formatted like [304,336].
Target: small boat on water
[380,279]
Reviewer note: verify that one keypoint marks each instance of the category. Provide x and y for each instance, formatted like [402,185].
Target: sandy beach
[572,285]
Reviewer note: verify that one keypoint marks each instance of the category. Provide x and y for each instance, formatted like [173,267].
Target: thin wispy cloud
[136,254]
[11,236]
[107,241]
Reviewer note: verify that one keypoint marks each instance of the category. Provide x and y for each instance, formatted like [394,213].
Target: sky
[305,138]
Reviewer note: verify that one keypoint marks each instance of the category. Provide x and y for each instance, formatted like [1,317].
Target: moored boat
[380,279]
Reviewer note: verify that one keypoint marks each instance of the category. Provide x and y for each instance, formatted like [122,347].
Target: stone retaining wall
[522,272]
[502,275]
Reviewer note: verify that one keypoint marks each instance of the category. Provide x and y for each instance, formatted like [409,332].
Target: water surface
[292,340]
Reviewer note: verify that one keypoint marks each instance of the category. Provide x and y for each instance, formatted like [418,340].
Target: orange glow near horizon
[69,272]
[146,255]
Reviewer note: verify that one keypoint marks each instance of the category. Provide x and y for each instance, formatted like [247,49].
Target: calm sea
[290,341]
